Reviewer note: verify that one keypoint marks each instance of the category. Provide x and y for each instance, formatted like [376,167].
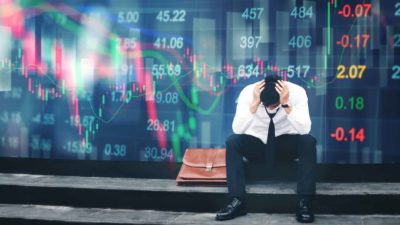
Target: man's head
[269,96]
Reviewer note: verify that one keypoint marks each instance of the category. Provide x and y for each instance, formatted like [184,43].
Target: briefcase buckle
[208,167]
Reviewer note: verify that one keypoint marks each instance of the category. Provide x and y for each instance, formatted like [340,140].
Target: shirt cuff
[292,115]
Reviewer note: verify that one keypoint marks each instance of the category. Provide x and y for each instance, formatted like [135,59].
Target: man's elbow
[305,128]
[305,131]
[237,129]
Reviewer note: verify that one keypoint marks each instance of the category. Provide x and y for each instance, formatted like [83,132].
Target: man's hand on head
[256,96]
[283,91]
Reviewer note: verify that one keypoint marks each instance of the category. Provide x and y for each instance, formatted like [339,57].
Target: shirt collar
[274,110]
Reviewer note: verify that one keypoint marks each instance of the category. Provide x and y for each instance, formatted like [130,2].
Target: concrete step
[163,194]
[45,215]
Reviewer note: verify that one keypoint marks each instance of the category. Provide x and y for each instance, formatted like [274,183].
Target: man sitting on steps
[272,118]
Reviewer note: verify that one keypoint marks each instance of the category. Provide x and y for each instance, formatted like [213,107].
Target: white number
[250,41]
[173,42]
[127,43]
[397,13]
[118,150]
[107,149]
[77,147]
[167,98]
[171,16]
[46,119]
[88,121]
[302,12]
[292,70]
[397,40]
[15,93]
[128,17]
[162,70]
[300,41]
[156,154]
[39,143]
[156,125]
[396,72]
[252,13]
[248,70]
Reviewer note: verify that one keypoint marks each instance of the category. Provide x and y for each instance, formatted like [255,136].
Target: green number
[339,103]
[360,103]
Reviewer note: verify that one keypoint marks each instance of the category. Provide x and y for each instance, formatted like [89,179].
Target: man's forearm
[254,107]
[288,110]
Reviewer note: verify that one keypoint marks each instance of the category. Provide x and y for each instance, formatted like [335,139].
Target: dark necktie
[269,155]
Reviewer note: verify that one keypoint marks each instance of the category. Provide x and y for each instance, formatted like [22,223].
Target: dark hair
[269,95]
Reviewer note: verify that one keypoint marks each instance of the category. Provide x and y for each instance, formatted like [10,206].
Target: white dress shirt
[296,122]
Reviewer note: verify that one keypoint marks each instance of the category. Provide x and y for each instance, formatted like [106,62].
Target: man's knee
[233,140]
[234,144]
[308,140]
[307,146]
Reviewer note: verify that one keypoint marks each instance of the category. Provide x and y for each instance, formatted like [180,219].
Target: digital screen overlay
[141,80]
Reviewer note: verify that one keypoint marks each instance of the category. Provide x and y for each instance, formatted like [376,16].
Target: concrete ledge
[162,194]
[157,185]
[40,214]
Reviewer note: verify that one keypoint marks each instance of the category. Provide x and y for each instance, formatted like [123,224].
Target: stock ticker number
[173,16]
[302,12]
[299,70]
[170,97]
[170,42]
[250,41]
[78,147]
[248,70]
[252,13]
[300,41]
[127,43]
[166,69]
[10,142]
[350,103]
[45,119]
[397,12]
[154,153]
[157,125]
[128,17]
[358,41]
[352,72]
[396,43]
[39,143]
[115,150]
[359,10]
[352,135]
[14,117]
[396,72]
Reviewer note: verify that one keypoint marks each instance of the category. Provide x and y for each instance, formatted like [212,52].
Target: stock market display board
[142,80]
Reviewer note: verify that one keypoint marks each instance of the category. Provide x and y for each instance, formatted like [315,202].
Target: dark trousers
[301,147]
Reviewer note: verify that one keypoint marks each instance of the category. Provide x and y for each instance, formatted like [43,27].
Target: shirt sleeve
[243,116]
[299,117]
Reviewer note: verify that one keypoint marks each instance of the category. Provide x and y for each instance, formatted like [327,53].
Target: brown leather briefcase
[203,166]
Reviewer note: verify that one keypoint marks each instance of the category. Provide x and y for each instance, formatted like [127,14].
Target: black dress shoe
[234,209]
[304,212]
